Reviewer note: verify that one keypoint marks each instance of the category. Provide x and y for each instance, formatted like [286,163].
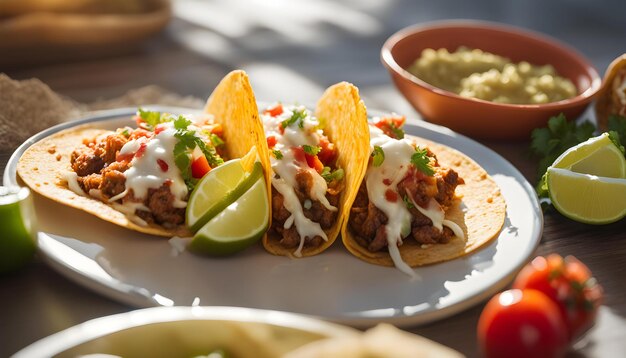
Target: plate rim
[399,318]
[96,328]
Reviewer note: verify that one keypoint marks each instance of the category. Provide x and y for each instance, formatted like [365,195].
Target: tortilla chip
[346,122]
[479,210]
[232,103]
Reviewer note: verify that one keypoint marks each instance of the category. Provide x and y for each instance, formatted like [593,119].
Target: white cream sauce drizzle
[386,177]
[146,173]
[288,166]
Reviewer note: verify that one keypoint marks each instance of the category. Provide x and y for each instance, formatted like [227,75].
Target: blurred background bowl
[479,118]
[187,332]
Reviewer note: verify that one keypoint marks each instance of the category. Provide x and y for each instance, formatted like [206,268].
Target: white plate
[141,270]
[187,331]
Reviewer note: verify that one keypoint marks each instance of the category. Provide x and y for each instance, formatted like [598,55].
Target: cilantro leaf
[408,202]
[421,161]
[329,176]
[181,123]
[617,130]
[151,118]
[311,150]
[187,142]
[379,156]
[183,162]
[277,154]
[297,117]
[397,132]
[560,135]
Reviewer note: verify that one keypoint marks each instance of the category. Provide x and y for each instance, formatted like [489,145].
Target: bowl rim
[389,61]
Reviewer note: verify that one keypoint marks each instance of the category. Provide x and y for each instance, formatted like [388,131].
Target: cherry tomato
[274,110]
[518,323]
[567,282]
[199,167]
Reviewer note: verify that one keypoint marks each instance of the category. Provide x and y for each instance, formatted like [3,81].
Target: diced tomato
[274,110]
[141,150]
[327,153]
[281,129]
[159,128]
[298,154]
[199,167]
[388,123]
[271,141]
[163,165]
[387,181]
[314,162]
[391,195]
[218,130]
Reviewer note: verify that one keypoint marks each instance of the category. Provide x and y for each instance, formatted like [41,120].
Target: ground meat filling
[367,222]
[317,212]
[97,168]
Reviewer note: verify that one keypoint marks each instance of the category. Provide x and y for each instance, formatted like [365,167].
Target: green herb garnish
[379,156]
[311,150]
[408,202]
[329,175]
[397,132]
[277,154]
[421,161]
[216,140]
[151,119]
[617,131]
[188,141]
[560,135]
[297,117]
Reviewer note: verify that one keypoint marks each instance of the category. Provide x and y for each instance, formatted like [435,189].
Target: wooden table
[295,62]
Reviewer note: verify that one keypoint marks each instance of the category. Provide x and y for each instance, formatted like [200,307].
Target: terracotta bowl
[479,118]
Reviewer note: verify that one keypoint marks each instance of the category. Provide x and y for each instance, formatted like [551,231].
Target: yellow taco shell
[479,210]
[345,116]
[43,165]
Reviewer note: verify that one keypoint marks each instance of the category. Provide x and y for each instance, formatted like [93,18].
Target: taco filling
[306,182]
[404,196]
[148,172]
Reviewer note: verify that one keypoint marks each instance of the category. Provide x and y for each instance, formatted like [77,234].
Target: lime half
[596,156]
[587,198]
[18,235]
[218,189]
[238,226]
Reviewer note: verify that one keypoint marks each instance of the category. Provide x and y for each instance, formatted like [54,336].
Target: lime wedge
[587,198]
[596,156]
[238,226]
[218,189]
[18,235]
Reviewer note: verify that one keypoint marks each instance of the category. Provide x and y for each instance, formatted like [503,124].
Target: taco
[420,202]
[612,96]
[314,171]
[140,178]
